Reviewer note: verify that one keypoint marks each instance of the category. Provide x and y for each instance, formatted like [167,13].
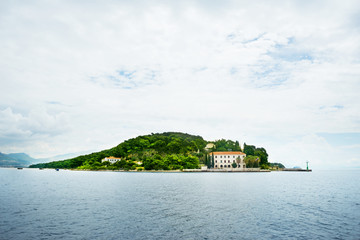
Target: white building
[226,159]
[111,159]
[210,146]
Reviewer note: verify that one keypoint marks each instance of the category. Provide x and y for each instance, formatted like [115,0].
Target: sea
[49,204]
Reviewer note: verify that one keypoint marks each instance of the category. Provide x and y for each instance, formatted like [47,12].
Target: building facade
[111,159]
[226,159]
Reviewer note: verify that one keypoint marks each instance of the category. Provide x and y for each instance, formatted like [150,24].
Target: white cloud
[18,131]
[89,75]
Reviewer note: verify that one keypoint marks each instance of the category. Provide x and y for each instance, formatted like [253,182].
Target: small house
[111,159]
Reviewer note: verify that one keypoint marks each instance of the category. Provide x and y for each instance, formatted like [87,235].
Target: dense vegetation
[167,151]
[160,151]
[226,145]
[255,157]
[252,161]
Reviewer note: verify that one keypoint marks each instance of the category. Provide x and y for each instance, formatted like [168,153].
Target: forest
[160,151]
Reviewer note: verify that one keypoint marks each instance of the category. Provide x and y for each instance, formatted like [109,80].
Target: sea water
[49,204]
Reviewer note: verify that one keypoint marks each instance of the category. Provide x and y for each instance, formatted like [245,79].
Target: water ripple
[104,205]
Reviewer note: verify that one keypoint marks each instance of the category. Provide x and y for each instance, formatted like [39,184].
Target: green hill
[170,150]
[160,151]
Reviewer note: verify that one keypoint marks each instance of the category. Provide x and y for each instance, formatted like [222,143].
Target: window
[221,166]
[220,161]
[215,156]
[215,161]
[233,160]
[233,156]
[216,166]
[229,156]
[228,161]
[228,165]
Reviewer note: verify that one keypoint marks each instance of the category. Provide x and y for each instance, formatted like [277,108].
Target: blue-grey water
[47,204]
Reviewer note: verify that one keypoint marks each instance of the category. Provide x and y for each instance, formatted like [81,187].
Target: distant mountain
[276,165]
[21,156]
[24,160]
[15,160]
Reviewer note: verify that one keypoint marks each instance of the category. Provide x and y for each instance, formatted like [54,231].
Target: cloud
[81,76]
[24,127]
[127,79]
[28,130]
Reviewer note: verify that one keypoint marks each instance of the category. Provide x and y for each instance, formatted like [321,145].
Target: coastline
[164,171]
[227,170]
[249,170]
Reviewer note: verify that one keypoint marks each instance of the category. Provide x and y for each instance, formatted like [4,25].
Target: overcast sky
[86,75]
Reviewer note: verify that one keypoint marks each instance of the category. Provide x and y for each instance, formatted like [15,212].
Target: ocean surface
[46,204]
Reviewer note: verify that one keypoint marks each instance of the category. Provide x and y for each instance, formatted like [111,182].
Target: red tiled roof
[228,153]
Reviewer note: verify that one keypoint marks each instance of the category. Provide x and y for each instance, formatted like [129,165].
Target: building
[210,146]
[226,159]
[111,159]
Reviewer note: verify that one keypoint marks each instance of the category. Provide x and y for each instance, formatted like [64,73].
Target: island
[170,151]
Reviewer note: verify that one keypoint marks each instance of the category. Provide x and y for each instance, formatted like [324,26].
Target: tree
[252,161]
[234,165]
[237,146]
[159,145]
[261,152]
[191,162]
[212,161]
[227,145]
[249,149]
[208,161]
[106,163]
[174,146]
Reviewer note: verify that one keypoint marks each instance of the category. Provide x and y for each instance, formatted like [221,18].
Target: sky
[83,76]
